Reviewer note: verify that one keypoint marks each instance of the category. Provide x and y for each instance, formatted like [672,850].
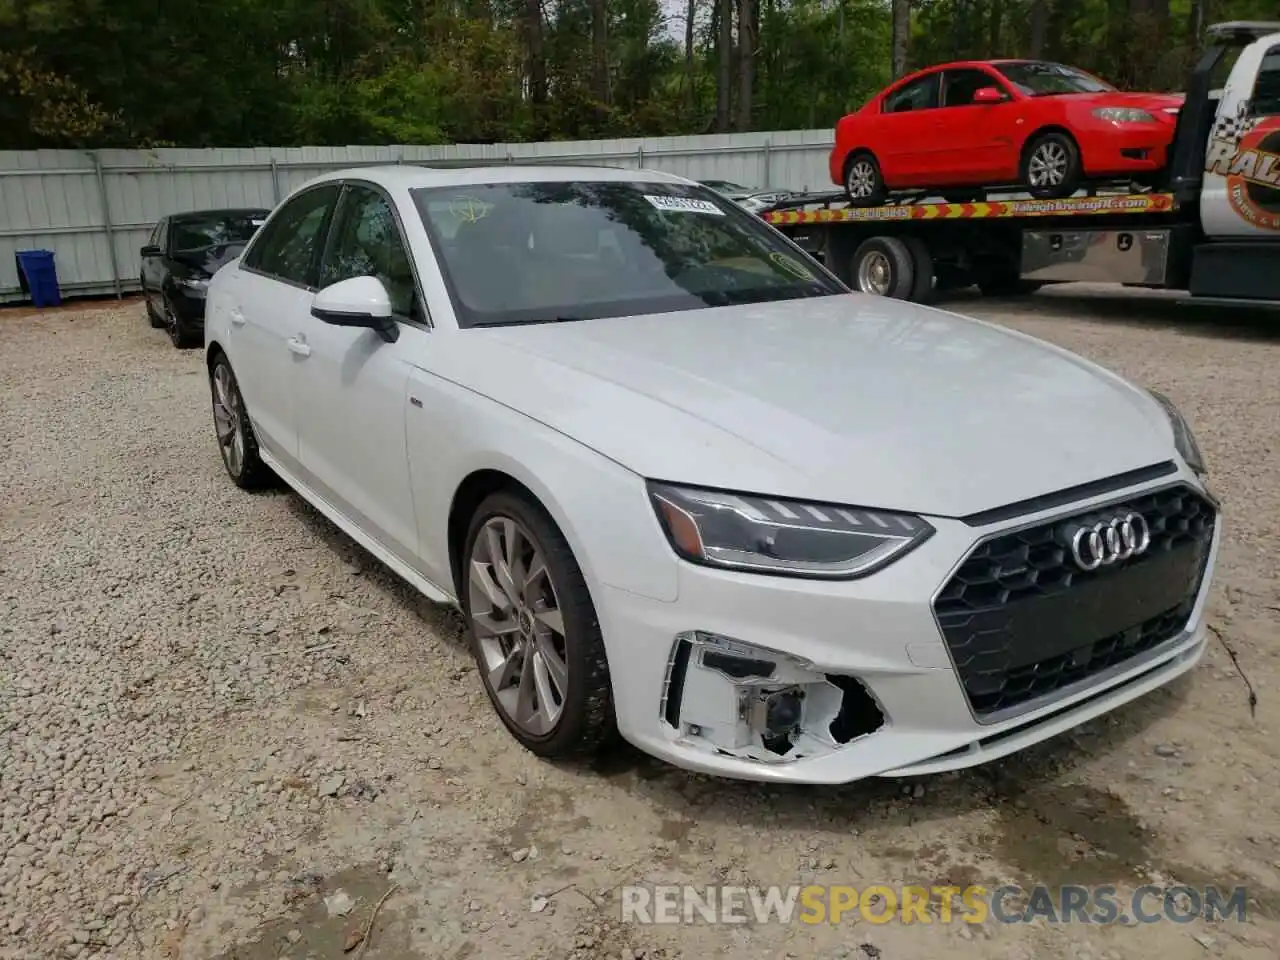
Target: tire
[885,267]
[156,321]
[183,337]
[863,183]
[584,721]
[1051,165]
[246,470]
[922,284]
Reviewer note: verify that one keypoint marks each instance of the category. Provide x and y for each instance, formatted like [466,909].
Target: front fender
[602,508]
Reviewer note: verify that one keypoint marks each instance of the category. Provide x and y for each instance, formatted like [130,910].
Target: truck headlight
[1183,439]
[1123,115]
[741,531]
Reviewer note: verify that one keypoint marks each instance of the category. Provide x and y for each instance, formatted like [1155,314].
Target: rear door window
[921,94]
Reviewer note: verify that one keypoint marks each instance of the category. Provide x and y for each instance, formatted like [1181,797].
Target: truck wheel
[862,180]
[884,267]
[922,267]
[1051,165]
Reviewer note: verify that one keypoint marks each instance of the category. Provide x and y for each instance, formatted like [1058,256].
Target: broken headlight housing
[740,531]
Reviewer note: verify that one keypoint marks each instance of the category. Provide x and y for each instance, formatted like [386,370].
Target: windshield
[215,229]
[546,251]
[1040,79]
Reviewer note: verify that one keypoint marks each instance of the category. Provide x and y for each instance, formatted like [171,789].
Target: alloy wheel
[171,322]
[228,419]
[518,625]
[862,179]
[1048,165]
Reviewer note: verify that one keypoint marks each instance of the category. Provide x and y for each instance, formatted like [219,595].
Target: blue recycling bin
[40,277]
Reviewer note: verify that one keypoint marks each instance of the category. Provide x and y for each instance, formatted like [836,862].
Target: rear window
[547,251]
[199,232]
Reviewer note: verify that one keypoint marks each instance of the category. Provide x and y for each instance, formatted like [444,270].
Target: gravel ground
[226,732]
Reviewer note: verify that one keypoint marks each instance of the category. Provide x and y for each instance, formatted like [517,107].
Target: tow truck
[1208,225]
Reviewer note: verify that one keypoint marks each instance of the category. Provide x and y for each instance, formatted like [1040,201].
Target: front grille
[1021,620]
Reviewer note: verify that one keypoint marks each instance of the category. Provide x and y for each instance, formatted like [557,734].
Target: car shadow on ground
[1030,818]
[442,620]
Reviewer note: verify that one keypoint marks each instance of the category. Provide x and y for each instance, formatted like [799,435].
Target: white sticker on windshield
[684,205]
[257,223]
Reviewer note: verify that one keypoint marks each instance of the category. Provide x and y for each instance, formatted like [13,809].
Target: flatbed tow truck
[1209,226]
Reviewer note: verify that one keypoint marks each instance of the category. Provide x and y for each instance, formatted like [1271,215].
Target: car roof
[214,211]
[954,64]
[412,176]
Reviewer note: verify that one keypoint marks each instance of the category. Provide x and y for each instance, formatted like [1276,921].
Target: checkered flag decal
[1231,129]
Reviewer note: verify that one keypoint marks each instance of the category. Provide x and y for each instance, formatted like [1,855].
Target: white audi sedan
[686,487]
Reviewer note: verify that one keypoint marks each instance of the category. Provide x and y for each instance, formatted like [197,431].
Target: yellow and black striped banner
[987,210]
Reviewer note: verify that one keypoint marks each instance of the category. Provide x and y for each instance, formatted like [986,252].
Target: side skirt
[403,570]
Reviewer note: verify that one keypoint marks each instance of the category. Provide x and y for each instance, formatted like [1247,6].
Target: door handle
[237,317]
[299,347]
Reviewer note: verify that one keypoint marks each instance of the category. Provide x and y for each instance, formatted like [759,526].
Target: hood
[209,260]
[848,399]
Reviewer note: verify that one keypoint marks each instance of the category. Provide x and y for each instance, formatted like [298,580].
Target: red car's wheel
[862,180]
[1051,165]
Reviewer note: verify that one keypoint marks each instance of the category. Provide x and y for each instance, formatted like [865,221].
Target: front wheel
[1051,166]
[180,333]
[153,318]
[534,631]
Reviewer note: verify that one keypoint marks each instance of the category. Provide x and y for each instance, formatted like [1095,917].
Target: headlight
[1123,115]
[1184,441]
[740,531]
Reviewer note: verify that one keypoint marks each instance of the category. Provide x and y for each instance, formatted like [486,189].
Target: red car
[1044,126]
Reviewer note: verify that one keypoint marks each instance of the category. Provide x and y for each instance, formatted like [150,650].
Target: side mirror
[151,250]
[988,95]
[357,302]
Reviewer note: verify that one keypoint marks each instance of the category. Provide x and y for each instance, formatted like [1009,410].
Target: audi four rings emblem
[1110,541]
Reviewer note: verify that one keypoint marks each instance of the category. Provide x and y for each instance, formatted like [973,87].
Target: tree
[724,62]
[122,73]
[748,31]
[901,12]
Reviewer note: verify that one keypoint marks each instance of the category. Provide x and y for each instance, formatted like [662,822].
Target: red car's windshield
[1040,79]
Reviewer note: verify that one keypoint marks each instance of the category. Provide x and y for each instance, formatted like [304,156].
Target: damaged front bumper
[761,705]
[802,681]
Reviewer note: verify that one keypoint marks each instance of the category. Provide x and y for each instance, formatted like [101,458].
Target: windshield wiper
[765,294]
[529,321]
